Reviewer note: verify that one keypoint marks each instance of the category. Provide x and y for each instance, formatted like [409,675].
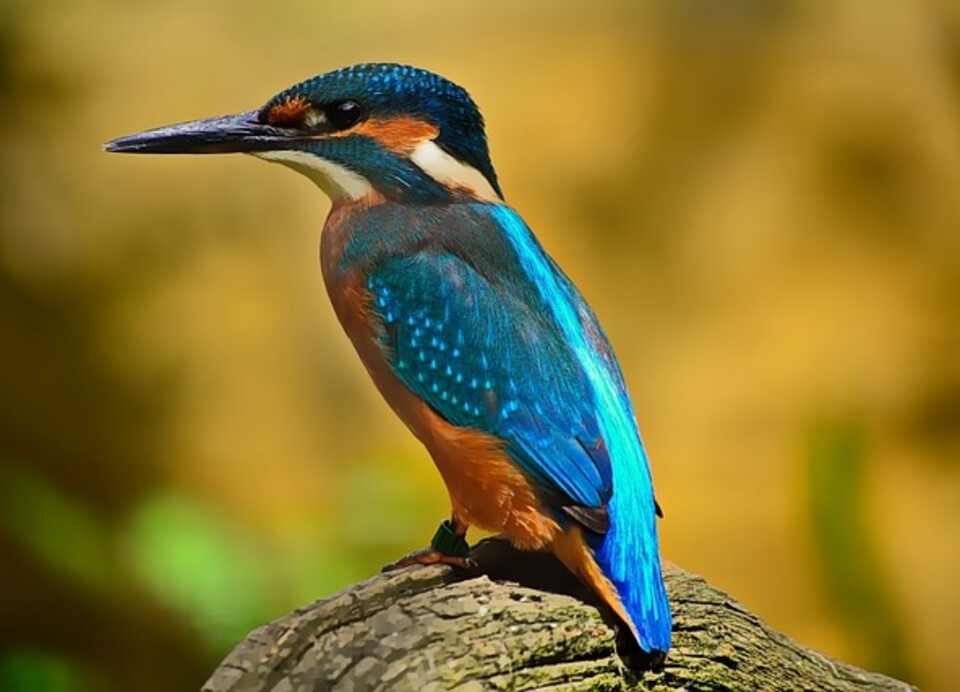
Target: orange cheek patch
[290,112]
[400,135]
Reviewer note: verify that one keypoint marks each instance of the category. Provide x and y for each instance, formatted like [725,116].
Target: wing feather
[483,357]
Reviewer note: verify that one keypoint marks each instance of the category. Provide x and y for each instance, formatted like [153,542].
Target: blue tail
[632,564]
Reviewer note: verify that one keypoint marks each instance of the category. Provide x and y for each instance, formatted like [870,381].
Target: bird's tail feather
[633,589]
[638,582]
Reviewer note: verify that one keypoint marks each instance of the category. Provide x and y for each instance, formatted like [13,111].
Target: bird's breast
[346,284]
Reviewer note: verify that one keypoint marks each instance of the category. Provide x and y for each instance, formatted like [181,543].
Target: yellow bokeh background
[758,197]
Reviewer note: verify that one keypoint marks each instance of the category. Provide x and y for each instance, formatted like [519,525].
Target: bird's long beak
[228,134]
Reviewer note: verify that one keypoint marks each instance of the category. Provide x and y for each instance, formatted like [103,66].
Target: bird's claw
[429,556]
[448,547]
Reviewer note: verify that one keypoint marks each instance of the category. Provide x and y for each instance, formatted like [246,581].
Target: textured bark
[521,623]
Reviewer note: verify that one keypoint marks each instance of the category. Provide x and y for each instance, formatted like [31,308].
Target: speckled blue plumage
[483,360]
[481,324]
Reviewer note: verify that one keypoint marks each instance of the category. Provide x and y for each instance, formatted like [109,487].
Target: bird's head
[393,130]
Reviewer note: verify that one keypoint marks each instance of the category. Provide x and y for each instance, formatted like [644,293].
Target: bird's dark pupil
[344,114]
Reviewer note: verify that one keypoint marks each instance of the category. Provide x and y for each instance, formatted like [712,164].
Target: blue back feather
[628,552]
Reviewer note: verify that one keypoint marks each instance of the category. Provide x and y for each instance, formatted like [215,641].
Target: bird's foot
[448,547]
[429,556]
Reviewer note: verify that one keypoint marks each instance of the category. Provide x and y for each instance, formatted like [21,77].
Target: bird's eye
[298,113]
[344,114]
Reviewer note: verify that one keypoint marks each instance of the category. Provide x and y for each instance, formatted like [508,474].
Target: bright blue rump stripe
[628,553]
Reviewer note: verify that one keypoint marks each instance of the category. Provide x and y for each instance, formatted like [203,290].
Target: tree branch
[522,623]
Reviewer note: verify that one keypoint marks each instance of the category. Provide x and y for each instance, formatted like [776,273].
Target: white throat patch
[340,183]
[449,172]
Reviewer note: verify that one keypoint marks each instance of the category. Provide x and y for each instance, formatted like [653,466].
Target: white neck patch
[340,183]
[447,171]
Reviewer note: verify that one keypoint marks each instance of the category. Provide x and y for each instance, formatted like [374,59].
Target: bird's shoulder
[472,232]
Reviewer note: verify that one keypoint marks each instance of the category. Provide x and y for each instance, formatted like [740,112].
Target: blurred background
[759,197]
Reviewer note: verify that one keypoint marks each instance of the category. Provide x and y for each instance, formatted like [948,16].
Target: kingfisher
[472,333]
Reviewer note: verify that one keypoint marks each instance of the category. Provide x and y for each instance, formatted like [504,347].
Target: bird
[473,334]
